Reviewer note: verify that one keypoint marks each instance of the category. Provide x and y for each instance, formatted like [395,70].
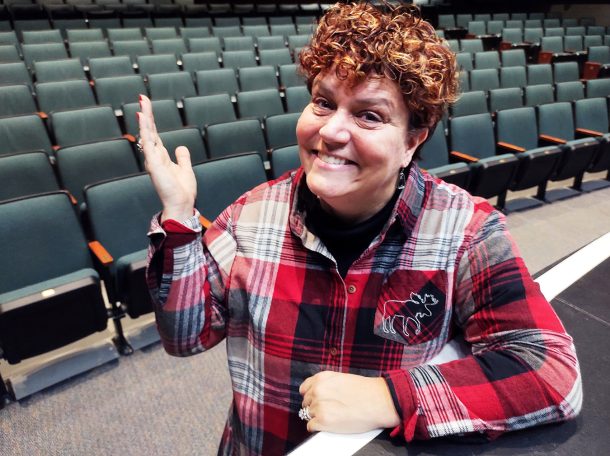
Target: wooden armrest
[463,157]
[42,115]
[587,132]
[545,57]
[204,222]
[552,139]
[73,200]
[101,253]
[510,147]
[130,138]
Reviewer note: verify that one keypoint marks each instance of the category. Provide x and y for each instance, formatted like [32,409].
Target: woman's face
[353,142]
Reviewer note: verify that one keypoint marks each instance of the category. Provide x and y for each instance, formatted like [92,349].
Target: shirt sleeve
[186,280]
[523,370]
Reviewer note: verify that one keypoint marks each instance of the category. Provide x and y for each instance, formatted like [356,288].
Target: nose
[335,129]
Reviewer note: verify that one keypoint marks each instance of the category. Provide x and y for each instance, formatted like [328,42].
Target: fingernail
[140,97]
[138,116]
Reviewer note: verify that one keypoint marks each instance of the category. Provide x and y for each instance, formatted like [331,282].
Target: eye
[321,103]
[370,117]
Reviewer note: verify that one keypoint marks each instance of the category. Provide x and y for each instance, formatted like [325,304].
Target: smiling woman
[335,284]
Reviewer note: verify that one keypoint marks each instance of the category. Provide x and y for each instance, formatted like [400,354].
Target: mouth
[332,160]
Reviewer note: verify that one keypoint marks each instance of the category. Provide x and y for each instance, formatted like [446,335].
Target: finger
[183,157]
[308,398]
[305,386]
[148,129]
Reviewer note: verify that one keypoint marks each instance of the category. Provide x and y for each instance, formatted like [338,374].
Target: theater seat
[50,294]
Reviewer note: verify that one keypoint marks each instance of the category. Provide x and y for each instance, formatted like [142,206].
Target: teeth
[331,160]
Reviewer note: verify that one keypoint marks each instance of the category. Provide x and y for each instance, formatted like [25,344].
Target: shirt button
[333,351]
[351,289]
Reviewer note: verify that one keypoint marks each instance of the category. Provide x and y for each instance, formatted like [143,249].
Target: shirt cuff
[404,395]
[172,233]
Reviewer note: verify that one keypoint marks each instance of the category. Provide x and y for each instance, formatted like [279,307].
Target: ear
[414,139]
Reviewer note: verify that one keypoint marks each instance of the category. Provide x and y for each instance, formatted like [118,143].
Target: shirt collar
[406,211]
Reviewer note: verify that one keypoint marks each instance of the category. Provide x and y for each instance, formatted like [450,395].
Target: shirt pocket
[412,309]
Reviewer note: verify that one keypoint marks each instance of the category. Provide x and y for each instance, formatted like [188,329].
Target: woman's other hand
[347,403]
[174,182]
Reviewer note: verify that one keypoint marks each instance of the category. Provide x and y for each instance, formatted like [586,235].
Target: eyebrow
[320,86]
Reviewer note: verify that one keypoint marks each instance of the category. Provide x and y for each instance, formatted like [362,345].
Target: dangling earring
[402,180]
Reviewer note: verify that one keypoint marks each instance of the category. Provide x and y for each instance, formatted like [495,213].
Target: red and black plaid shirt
[443,264]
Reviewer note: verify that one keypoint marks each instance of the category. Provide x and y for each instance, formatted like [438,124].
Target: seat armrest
[552,140]
[460,156]
[204,222]
[509,147]
[585,132]
[591,70]
[100,253]
[43,115]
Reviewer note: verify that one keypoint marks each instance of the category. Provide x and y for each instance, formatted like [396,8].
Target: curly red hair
[359,40]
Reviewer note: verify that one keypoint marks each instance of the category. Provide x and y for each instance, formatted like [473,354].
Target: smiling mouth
[332,160]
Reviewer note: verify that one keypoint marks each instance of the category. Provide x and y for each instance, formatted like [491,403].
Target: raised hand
[174,182]
[347,403]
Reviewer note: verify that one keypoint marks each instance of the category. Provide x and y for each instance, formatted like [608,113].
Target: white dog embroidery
[388,320]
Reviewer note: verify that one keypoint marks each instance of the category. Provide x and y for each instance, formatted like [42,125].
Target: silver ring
[139,145]
[304,414]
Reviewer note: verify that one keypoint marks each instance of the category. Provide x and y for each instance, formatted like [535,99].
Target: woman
[336,283]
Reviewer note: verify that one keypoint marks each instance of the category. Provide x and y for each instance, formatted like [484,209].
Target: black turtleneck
[345,241]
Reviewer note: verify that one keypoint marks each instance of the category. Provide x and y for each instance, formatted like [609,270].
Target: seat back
[14,73]
[207,44]
[220,182]
[541,73]
[600,54]
[275,57]
[86,164]
[284,159]
[160,33]
[232,138]
[281,130]
[24,134]
[209,109]
[167,116]
[61,95]
[210,82]
[598,88]
[552,44]
[257,78]
[238,59]
[505,99]
[464,61]
[238,43]
[565,71]
[44,51]
[26,174]
[59,70]
[514,76]
[171,86]
[471,45]
[470,103]
[473,135]
[265,43]
[92,49]
[16,100]
[105,67]
[569,91]
[157,63]
[484,79]
[124,34]
[434,152]
[592,114]
[259,103]
[486,59]
[175,46]
[513,57]
[539,94]
[188,137]
[297,98]
[518,126]
[289,76]
[118,90]
[119,212]
[197,61]
[556,120]
[84,125]
[131,48]
[58,249]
